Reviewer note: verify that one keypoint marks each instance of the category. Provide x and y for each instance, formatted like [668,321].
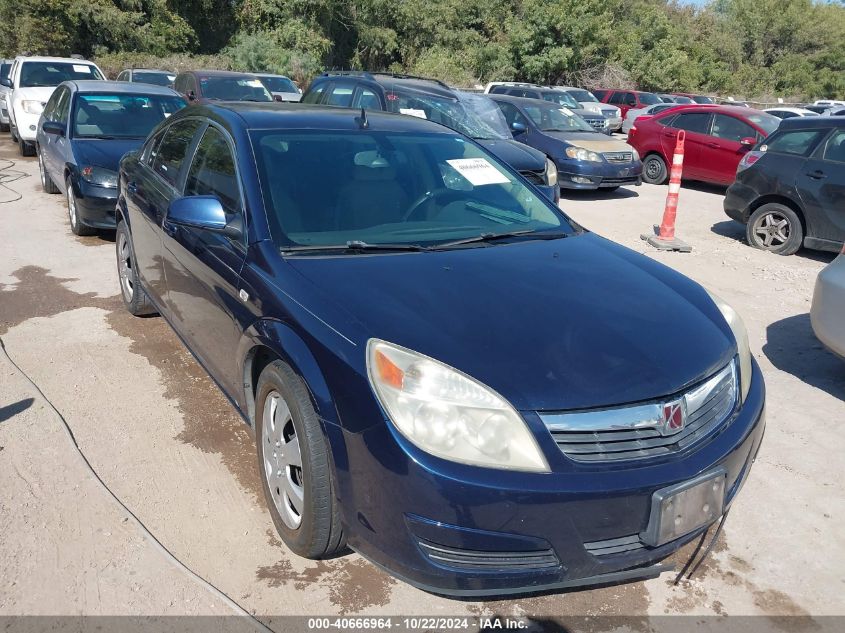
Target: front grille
[596,123]
[614,545]
[535,177]
[707,406]
[459,558]
[618,157]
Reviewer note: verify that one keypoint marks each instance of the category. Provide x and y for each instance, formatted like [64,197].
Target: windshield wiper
[490,237]
[354,246]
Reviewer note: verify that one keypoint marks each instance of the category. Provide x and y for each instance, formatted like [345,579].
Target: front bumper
[614,123]
[572,174]
[737,202]
[26,125]
[829,306]
[4,114]
[95,205]
[467,531]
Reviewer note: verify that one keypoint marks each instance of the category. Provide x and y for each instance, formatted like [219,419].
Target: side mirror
[53,127]
[204,212]
[518,128]
[277,98]
[748,141]
[191,95]
[5,81]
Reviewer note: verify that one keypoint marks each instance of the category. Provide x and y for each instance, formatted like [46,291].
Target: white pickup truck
[30,83]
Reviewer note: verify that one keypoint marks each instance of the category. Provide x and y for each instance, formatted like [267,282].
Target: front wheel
[654,170]
[775,228]
[134,297]
[73,212]
[293,458]
[47,183]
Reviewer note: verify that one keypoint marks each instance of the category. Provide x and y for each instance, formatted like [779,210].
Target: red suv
[627,99]
[717,137]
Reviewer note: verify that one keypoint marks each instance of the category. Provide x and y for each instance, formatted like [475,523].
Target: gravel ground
[165,441]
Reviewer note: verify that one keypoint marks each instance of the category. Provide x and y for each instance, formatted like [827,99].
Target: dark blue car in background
[85,129]
[585,158]
[441,369]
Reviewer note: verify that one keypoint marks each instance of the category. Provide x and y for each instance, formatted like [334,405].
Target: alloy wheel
[41,170]
[283,460]
[71,204]
[124,267]
[772,229]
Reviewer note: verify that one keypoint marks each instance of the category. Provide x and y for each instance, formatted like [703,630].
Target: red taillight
[749,159]
[631,132]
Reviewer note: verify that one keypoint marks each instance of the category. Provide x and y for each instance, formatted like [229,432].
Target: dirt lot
[168,445]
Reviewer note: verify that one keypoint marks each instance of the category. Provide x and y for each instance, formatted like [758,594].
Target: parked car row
[342,274]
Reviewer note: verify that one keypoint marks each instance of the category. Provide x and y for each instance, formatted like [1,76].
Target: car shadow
[792,347]
[736,231]
[598,194]
[11,410]
[704,187]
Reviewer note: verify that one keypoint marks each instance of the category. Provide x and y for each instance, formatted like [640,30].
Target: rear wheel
[47,183]
[776,228]
[293,458]
[654,170]
[73,212]
[134,297]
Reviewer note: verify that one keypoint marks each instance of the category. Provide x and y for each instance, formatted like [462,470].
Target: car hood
[551,325]
[517,155]
[594,141]
[581,112]
[104,153]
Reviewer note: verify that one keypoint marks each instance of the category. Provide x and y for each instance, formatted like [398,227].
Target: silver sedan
[651,110]
[828,312]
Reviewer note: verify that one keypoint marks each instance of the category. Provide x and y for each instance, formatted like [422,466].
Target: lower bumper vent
[488,560]
[614,545]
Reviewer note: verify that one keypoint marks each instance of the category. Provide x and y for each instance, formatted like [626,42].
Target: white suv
[31,82]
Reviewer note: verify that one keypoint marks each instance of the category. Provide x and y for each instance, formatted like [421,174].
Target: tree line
[789,48]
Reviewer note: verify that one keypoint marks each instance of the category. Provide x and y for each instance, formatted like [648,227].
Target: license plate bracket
[685,507]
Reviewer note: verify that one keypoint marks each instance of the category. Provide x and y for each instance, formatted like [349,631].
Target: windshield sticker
[478,171]
[420,114]
[254,83]
[565,111]
[81,68]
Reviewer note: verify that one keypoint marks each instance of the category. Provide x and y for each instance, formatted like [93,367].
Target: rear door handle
[131,187]
[170,229]
[817,175]
[714,145]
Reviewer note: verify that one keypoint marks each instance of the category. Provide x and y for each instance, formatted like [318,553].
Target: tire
[25,148]
[72,212]
[13,134]
[300,497]
[47,183]
[655,171]
[775,228]
[4,127]
[134,297]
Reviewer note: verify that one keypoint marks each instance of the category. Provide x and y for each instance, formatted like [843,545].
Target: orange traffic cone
[664,238]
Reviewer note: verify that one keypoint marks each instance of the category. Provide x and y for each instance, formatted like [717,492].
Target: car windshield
[335,189]
[277,83]
[552,118]
[49,74]
[765,121]
[234,89]
[157,79]
[121,115]
[647,98]
[702,99]
[561,98]
[582,95]
[462,113]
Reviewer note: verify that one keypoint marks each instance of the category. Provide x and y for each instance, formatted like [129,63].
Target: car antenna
[362,120]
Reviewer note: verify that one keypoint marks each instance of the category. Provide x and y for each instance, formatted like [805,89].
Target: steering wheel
[427,197]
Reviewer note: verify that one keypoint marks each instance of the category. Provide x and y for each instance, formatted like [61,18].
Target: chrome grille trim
[636,432]
[599,124]
[618,157]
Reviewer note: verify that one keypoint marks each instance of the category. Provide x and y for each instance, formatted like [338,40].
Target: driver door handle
[817,175]
[131,186]
[714,145]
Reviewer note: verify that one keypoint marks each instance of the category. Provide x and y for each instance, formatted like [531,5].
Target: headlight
[32,107]
[741,336]
[579,153]
[447,413]
[636,154]
[551,172]
[99,176]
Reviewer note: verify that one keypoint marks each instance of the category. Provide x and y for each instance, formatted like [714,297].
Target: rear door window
[796,142]
[731,129]
[167,159]
[314,95]
[697,122]
[366,98]
[340,94]
[834,149]
[618,98]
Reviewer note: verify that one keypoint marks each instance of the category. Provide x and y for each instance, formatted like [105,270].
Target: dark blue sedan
[85,129]
[585,158]
[440,368]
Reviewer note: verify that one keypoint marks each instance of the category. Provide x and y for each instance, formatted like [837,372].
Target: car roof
[217,73]
[149,70]
[257,116]
[523,101]
[812,122]
[392,80]
[72,60]
[627,90]
[120,87]
[271,75]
